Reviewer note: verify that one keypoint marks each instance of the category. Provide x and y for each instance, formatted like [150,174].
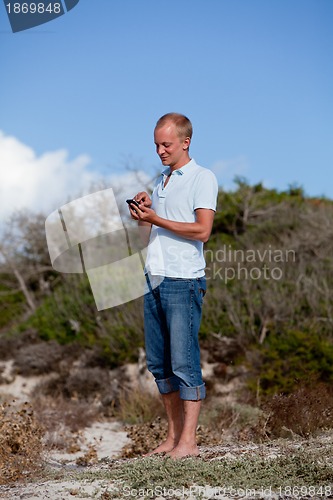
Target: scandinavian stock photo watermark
[228,263]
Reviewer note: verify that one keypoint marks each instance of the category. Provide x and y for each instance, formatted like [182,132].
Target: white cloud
[46,182]
[227,170]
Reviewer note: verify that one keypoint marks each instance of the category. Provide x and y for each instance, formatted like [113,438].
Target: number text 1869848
[33,8]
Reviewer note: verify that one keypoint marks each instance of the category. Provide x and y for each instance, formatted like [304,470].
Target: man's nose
[160,150]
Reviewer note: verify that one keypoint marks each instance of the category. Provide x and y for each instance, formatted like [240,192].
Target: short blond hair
[182,123]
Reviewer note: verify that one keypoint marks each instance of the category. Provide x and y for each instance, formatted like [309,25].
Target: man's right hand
[143,198]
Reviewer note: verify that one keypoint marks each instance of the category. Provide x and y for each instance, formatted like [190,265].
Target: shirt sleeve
[206,191]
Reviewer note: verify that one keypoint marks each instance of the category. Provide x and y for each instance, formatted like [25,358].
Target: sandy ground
[105,438]
[90,487]
[105,441]
[17,388]
[58,490]
[110,440]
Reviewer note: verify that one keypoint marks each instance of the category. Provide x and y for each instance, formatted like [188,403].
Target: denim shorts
[172,313]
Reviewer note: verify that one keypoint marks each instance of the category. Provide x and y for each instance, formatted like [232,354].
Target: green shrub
[291,357]
[70,315]
[11,305]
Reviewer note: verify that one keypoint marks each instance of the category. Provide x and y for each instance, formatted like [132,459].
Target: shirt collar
[180,171]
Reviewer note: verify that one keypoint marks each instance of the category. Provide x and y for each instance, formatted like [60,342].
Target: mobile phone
[133,202]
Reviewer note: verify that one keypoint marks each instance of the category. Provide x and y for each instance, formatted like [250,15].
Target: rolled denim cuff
[167,385]
[192,393]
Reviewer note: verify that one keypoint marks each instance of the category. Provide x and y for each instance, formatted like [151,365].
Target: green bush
[293,356]
[70,315]
[11,304]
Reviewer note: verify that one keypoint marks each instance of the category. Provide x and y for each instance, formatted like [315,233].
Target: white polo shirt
[189,187]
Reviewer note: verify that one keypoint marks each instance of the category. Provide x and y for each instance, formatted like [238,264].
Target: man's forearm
[189,230]
[198,230]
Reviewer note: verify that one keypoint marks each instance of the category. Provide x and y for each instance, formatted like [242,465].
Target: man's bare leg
[187,444]
[174,409]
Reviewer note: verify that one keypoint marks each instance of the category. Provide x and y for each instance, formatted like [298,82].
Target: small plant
[230,420]
[144,437]
[20,442]
[89,458]
[303,412]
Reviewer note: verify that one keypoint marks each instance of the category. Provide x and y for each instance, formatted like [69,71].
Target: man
[180,216]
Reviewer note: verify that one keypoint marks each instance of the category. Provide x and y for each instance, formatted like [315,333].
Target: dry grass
[304,412]
[55,412]
[89,458]
[144,437]
[84,384]
[138,407]
[36,359]
[20,442]
[63,412]
[74,398]
[70,401]
[149,427]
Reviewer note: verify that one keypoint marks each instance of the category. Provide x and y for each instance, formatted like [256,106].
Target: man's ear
[186,143]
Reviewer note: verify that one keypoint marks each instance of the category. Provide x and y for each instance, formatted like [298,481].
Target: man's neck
[180,165]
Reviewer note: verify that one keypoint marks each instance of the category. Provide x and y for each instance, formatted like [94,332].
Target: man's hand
[143,199]
[138,214]
[199,230]
[145,202]
[143,213]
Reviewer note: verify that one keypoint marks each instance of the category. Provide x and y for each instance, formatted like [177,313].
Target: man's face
[172,150]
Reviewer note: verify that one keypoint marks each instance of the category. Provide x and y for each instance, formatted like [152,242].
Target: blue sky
[83,92]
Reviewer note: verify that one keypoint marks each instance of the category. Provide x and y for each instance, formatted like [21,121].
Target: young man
[180,215]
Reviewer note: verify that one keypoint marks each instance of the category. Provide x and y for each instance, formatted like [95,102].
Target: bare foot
[184,450]
[164,447]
